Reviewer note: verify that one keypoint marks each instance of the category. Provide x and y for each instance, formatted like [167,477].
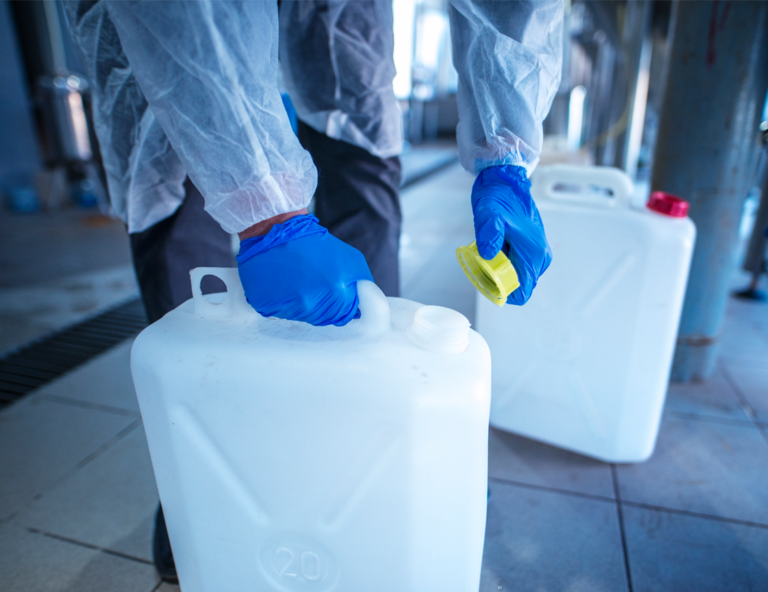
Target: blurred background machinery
[49,82]
[707,150]
[606,110]
[605,113]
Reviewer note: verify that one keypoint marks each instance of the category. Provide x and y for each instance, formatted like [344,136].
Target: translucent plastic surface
[292,457]
[584,364]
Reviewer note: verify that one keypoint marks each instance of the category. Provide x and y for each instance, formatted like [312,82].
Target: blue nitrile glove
[506,217]
[300,272]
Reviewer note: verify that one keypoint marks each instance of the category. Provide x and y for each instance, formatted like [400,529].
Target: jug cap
[668,204]
[495,279]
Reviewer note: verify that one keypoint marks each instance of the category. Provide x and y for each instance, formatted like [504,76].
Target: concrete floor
[58,268]
[77,494]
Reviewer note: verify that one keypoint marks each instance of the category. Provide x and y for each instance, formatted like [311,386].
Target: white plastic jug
[584,364]
[298,458]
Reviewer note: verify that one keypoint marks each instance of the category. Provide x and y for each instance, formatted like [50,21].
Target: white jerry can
[584,365]
[298,458]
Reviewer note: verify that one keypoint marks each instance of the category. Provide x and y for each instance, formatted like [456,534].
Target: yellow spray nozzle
[495,279]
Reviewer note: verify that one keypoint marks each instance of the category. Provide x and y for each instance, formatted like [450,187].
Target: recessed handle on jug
[234,304]
[573,183]
[374,308]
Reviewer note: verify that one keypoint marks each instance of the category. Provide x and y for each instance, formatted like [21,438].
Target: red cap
[668,204]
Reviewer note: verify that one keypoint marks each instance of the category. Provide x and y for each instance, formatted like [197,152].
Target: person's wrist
[263,227]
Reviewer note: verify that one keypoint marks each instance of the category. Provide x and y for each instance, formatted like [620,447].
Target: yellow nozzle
[495,279]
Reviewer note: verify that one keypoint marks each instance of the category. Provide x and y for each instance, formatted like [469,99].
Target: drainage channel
[42,361]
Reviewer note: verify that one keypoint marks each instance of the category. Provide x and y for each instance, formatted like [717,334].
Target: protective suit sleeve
[338,66]
[208,70]
[508,56]
[144,175]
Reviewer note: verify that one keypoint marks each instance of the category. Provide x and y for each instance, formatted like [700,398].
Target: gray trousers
[358,201]
[164,253]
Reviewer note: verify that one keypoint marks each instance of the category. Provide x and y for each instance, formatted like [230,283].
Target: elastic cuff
[516,171]
[513,159]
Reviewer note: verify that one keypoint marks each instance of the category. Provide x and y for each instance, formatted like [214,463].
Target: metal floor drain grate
[42,361]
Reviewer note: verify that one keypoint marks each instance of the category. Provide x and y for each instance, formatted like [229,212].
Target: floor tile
[109,503]
[669,552]
[543,541]
[416,251]
[424,158]
[429,252]
[760,321]
[747,310]
[704,467]
[31,562]
[752,382]
[744,340]
[442,283]
[755,362]
[710,398]
[440,206]
[59,244]
[32,311]
[41,441]
[104,380]
[522,460]
[437,218]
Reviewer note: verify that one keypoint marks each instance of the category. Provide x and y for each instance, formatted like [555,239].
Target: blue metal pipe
[706,153]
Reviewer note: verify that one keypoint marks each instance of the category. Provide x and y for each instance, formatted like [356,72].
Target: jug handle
[374,309]
[235,303]
[545,179]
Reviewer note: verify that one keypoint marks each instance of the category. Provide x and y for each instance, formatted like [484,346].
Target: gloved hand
[300,272]
[506,217]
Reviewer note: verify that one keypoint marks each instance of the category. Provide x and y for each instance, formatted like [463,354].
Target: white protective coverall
[192,88]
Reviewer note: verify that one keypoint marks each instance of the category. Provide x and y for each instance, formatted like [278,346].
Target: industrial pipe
[706,152]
